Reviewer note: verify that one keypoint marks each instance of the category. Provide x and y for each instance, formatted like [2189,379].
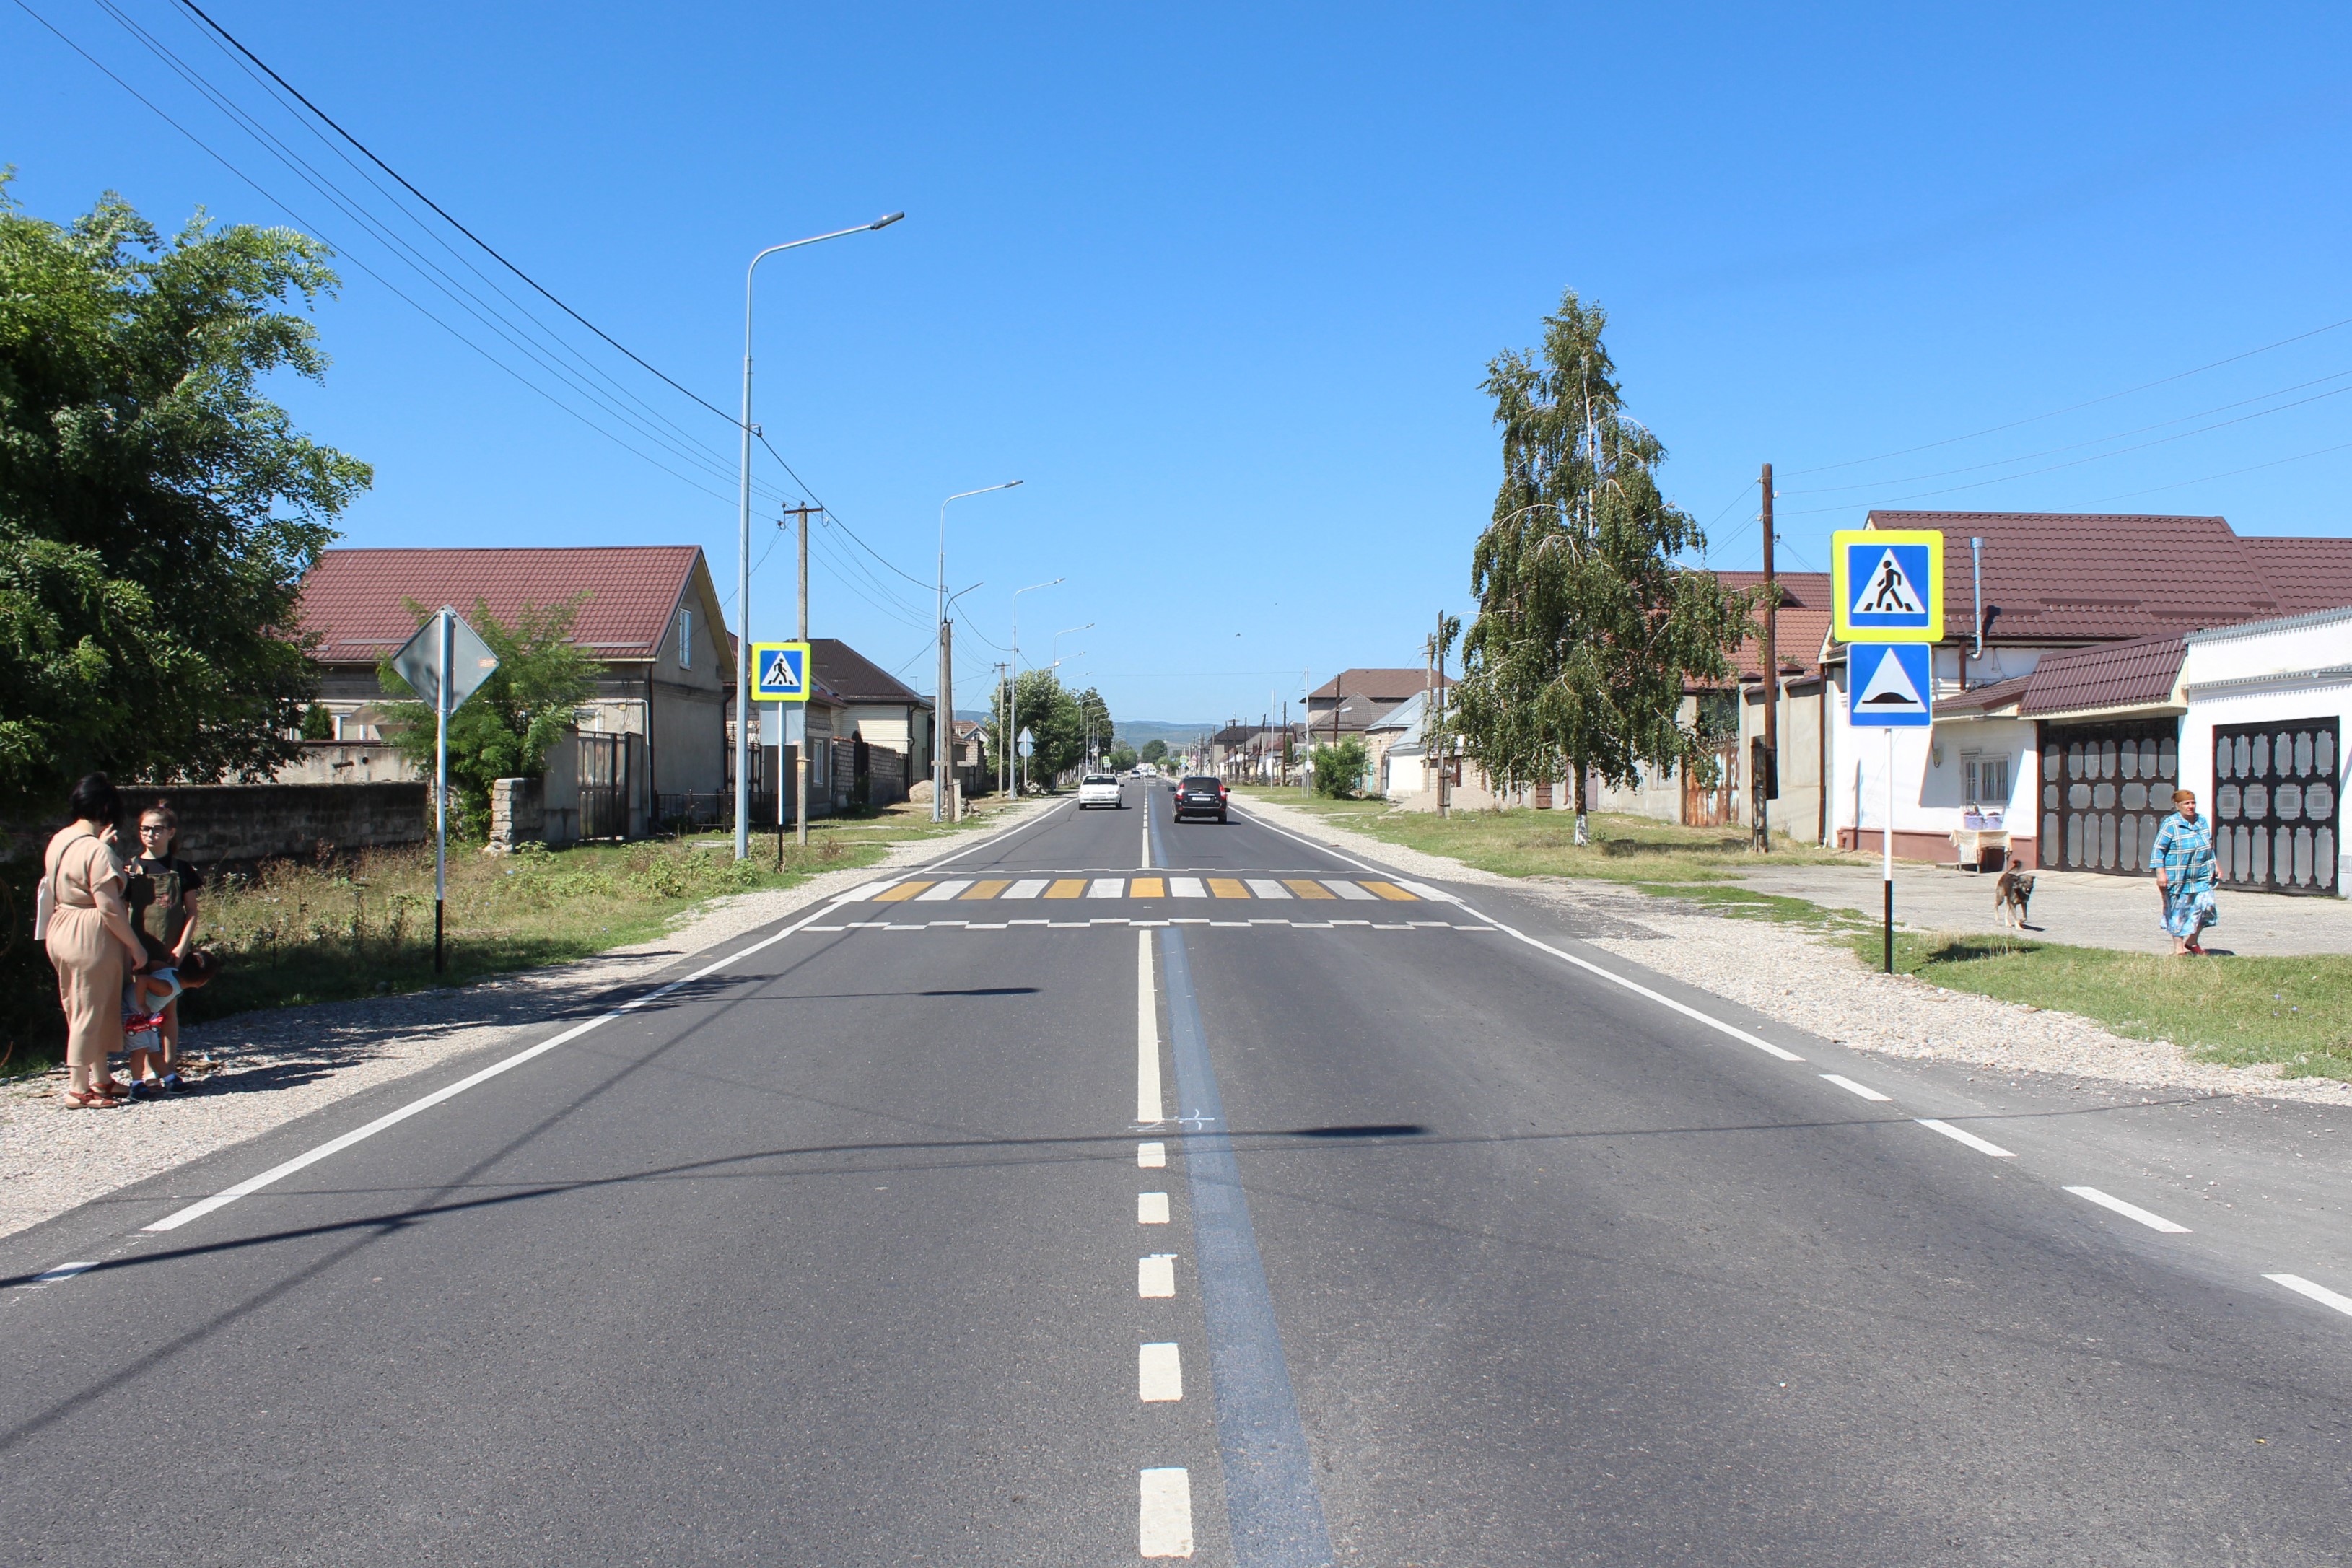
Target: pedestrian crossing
[1171,888]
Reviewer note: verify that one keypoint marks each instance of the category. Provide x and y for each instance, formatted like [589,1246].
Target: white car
[1100,790]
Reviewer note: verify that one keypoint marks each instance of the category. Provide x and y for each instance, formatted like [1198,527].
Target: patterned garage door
[2105,787]
[2275,804]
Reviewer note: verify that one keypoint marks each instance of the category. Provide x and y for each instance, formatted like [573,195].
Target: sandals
[91,1099]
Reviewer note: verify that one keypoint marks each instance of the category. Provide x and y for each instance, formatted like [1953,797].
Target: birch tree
[1588,632]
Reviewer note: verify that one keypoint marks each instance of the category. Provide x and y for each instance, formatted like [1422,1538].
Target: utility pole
[808,673]
[1764,759]
[944,791]
[1444,762]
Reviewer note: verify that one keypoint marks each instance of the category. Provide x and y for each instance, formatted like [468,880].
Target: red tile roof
[2094,577]
[352,600]
[1800,630]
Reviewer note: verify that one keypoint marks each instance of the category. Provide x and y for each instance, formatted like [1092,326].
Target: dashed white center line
[1155,1275]
[1151,1209]
[1960,1135]
[2128,1211]
[1166,1516]
[1151,1156]
[1851,1087]
[1150,1107]
[2320,1293]
[1159,1372]
[62,1272]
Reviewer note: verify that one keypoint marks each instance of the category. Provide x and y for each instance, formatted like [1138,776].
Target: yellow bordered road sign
[1887,585]
[779,672]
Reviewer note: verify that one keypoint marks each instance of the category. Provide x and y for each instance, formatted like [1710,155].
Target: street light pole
[941,771]
[1012,686]
[743,548]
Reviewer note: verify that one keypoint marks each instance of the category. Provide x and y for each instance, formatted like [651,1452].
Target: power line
[2095,441]
[201,16]
[2072,407]
[389,286]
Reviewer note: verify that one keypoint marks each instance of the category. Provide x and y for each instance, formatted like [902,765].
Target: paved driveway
[2079,907]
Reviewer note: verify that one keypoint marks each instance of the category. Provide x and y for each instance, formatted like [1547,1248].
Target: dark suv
[1199,796]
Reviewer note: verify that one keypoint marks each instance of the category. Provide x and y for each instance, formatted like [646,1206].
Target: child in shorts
[144,1000]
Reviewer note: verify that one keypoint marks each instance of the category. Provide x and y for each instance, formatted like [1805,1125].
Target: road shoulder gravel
[1815,982]
[273,1067]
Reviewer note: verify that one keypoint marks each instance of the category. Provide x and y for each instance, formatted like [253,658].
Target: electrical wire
[2072,407]
[2096,457]
[2095,441]
[201,16]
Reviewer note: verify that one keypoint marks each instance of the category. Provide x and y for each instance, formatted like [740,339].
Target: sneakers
[147,1089]
[172,1083]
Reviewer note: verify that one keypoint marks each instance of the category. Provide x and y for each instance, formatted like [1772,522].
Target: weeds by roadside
[2233,1011]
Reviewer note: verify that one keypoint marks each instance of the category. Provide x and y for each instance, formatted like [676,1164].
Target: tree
[1588,632]
[1050,714]
[1122,757]
[1154,751]
[504,729]
[157,513]
[1339,770]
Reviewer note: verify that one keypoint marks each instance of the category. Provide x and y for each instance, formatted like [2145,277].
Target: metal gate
[1710,806]
[2277,805]
[2105,789]
[605,786]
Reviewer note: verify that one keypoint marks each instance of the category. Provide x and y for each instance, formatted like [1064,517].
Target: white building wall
[2270,672]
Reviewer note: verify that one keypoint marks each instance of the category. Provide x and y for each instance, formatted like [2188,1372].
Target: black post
[1890,925]
[437,936]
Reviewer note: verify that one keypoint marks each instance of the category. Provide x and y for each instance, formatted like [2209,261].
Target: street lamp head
[885,221]
[1012,483]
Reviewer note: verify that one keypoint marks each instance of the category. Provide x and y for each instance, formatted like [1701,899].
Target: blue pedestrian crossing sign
[779,672]
[1887,585]
[1891,685]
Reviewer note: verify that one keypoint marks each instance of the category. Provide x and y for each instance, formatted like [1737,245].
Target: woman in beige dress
[90,943]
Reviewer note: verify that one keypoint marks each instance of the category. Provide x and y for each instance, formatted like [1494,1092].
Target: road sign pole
[1886,851]
[446,656]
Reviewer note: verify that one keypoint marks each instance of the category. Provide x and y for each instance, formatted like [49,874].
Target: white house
[2268,706]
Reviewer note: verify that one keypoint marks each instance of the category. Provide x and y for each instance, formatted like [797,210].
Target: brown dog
[2013,895]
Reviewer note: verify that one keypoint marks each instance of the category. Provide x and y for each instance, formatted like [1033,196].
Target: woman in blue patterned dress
[2182,859]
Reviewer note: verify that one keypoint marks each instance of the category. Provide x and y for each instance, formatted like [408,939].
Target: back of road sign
[1891,686]
[779,672]
[470,660]
[1887,585]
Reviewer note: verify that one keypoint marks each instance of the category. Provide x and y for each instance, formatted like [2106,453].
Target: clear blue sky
[1220,282]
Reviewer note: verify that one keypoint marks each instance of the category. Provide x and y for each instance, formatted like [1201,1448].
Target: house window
[1988,779]
[686,639]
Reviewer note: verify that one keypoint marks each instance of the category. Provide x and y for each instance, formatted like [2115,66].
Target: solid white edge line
[1164,1514]
[1639,989]
[2128,1211]
[1962,1136]
[1766,1046]
[2320,1293]
[1851,1087]
[995,838]
[279,1173]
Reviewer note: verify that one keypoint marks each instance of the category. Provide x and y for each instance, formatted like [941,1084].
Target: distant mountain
[1135,731]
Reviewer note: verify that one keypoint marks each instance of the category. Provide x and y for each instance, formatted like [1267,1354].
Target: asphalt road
[848,1249]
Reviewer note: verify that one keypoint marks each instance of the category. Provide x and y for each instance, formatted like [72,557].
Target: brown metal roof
[2304,575]
[855,678]
[2094,577]
[2134,674]
[355,600]
[1391,686]
[1983,699]
[1801,628]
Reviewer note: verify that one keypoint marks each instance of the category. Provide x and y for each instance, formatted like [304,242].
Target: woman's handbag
[45,905]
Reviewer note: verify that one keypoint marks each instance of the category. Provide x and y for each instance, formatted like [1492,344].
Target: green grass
[2231,1011]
